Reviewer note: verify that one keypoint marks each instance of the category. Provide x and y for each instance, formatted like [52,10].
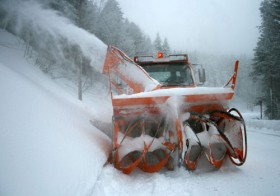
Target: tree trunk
[80,87]
[80,64]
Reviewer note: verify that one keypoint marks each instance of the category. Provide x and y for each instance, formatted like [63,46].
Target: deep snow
[49,147]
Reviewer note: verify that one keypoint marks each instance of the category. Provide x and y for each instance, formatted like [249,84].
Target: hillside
[49,147]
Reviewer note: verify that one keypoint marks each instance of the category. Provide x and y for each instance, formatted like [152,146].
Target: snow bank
[269,127]
[47,144]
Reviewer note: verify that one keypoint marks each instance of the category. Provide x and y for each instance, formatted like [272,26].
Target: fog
[53,32]
[212,26]
[53,35]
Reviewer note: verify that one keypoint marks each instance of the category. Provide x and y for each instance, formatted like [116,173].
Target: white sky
[212,26]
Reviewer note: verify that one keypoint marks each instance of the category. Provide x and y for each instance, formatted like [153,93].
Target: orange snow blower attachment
[162,119]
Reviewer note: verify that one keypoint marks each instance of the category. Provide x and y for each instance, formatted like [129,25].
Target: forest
[266,61]
[57,56]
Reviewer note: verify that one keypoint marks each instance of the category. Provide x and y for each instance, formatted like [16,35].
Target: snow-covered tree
[157,44]
[64,7]
[134,41]
[110,23]
[148,46]
[266,65]
[165,47]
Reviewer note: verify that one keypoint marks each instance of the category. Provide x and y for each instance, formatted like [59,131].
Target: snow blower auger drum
[162,119]
[216,134]
[144,142]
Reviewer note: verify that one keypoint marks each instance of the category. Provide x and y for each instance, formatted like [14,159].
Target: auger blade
[213,144]
[192,148]
[233,131]
[145,143]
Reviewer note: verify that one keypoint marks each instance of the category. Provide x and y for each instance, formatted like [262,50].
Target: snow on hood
[179,92]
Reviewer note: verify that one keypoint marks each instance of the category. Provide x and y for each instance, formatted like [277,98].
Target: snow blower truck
[162,118]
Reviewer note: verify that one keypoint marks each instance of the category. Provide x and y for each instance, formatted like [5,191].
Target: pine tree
[110,23]
[134,40]
[67,8]
[165,47]
[157,44]
[266,65]
[127,43]
[148,46]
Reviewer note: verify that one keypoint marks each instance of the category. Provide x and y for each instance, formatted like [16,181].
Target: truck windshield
[170,74]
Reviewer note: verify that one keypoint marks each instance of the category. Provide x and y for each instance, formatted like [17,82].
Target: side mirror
[201,76]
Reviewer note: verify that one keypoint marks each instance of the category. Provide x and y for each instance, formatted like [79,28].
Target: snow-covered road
[260,175]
